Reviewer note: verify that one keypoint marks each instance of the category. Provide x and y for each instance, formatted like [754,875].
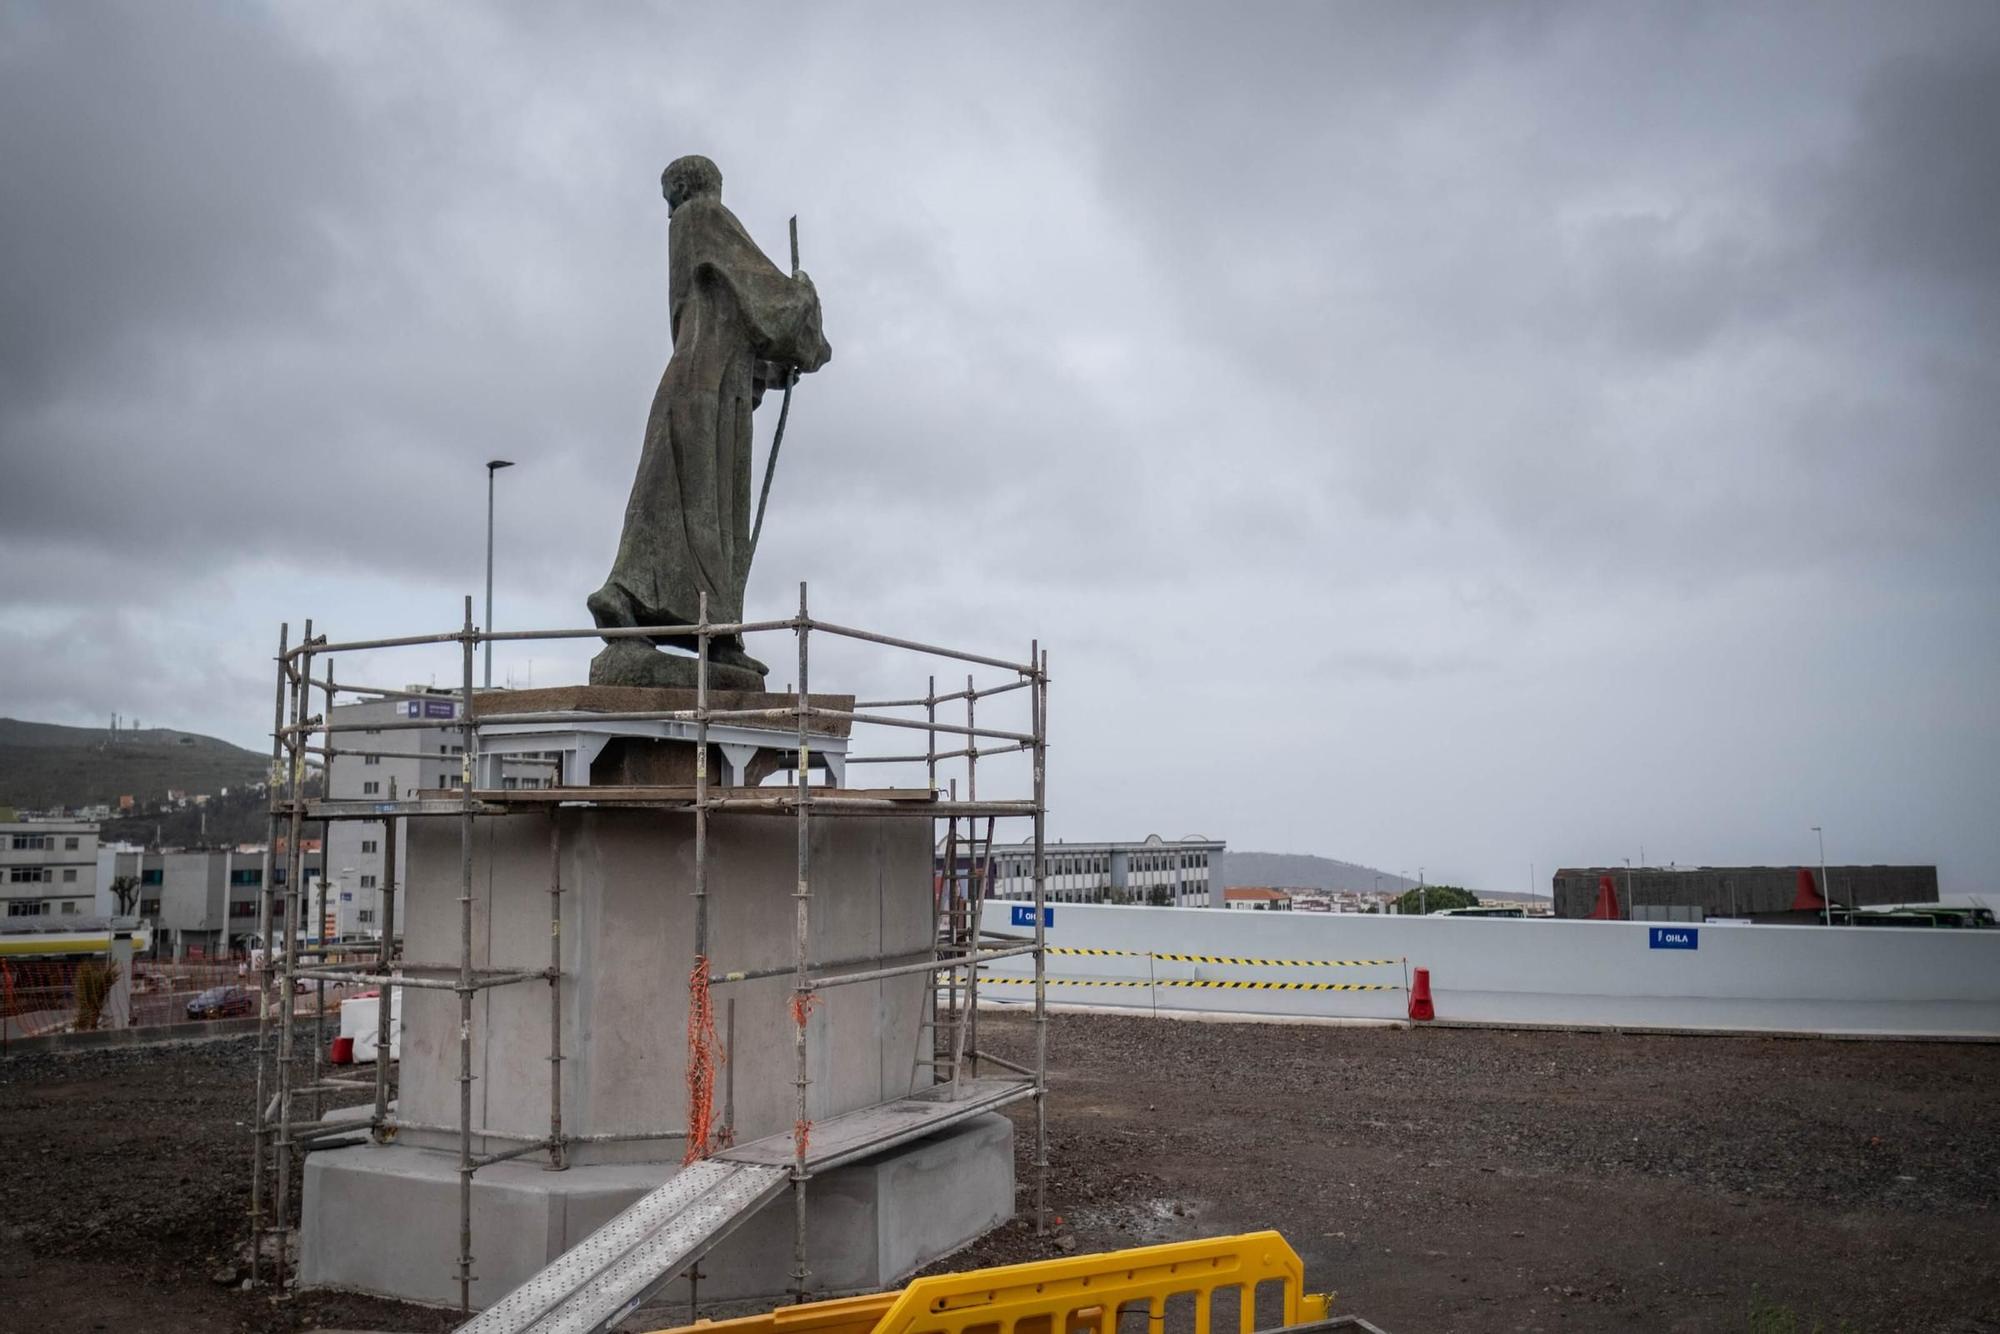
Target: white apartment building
[48,868]
[1152,871]
[404,761]
[205,901]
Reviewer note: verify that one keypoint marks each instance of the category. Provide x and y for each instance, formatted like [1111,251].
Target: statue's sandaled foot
[634,662]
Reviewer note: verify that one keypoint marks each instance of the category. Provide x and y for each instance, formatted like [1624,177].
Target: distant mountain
[44,765]
[1293,870]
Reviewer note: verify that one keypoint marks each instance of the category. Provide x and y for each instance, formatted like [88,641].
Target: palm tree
[125,889]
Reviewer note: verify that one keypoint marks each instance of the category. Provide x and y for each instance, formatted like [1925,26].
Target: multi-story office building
[401,761]
[1154,871]
[48,868]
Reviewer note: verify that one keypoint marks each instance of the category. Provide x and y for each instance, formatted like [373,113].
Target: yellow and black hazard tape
[1205,984]
[1275,963]
[1234,960]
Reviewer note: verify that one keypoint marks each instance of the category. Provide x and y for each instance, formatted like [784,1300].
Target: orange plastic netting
[705,1057]
[803,1004]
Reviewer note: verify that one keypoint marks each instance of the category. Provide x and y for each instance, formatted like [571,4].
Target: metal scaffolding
[285,1128]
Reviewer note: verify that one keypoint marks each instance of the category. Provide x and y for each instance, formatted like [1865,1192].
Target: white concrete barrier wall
[1735,978]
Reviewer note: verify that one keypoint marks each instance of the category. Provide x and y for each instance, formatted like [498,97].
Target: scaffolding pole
[968,1032]
[1041,722]
[802,996]
[261,1134]
[294,870]
[385,955]
[466,990]
[325,869]
[558,1160]
[964,939]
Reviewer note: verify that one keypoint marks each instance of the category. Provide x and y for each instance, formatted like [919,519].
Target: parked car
[222,1002]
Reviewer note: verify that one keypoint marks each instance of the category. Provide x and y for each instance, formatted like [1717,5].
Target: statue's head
[690,177]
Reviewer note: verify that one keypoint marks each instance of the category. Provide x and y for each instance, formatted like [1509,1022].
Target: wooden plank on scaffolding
[430,803]
[545,796]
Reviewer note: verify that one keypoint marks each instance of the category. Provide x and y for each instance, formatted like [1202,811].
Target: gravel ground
[1437,1179]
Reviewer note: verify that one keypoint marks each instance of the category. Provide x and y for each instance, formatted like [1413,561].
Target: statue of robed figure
[740,326]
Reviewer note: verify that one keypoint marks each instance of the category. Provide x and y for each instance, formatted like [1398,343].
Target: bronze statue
[740,326]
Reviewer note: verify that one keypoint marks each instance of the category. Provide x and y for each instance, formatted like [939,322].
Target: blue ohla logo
[1024,915]
[1674,938]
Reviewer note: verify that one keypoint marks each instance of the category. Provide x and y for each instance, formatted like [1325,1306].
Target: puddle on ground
[1152,1220]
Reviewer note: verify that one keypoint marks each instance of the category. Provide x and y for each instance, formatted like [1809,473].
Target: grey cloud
[1416,362]
[1919,186]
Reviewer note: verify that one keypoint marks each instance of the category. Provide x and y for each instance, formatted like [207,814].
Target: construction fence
[1714,976]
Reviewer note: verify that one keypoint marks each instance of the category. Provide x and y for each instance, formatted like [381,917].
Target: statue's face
[674,192]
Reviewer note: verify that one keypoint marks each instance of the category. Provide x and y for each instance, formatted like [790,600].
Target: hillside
[1292,870]
[244,816]
[44,765]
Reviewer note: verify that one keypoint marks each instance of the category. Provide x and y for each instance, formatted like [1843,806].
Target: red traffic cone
[1420,996]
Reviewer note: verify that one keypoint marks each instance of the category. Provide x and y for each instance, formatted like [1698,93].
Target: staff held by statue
[784,411]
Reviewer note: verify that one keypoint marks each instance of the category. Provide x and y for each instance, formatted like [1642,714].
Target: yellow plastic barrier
[1081,1294]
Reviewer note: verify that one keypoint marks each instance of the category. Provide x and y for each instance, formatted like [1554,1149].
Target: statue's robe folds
[687,524]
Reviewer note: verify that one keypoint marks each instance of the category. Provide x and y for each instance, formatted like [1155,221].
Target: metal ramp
[852,1136]
[606,1276]
[611,1273]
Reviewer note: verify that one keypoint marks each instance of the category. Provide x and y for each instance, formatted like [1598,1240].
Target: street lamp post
[1628,889]
[1423,895]
[343,891]
[492,466]
[1825,890]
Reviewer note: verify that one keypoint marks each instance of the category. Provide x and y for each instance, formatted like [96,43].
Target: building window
[370,845]
[371,789]
[149,907]
[246,908]
[27,908]
[69,875]
[69,844]
[152,875]
[69,908]
[368,882]
[251,876]
[29,875]
[365,916]
[371,759]
[35,842]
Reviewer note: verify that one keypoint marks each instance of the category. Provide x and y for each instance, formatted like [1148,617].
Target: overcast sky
[1470,437]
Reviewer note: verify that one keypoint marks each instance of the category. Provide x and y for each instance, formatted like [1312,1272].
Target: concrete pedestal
[627,931]
[383,1219]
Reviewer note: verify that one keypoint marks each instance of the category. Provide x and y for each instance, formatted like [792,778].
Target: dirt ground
[1436,1179]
